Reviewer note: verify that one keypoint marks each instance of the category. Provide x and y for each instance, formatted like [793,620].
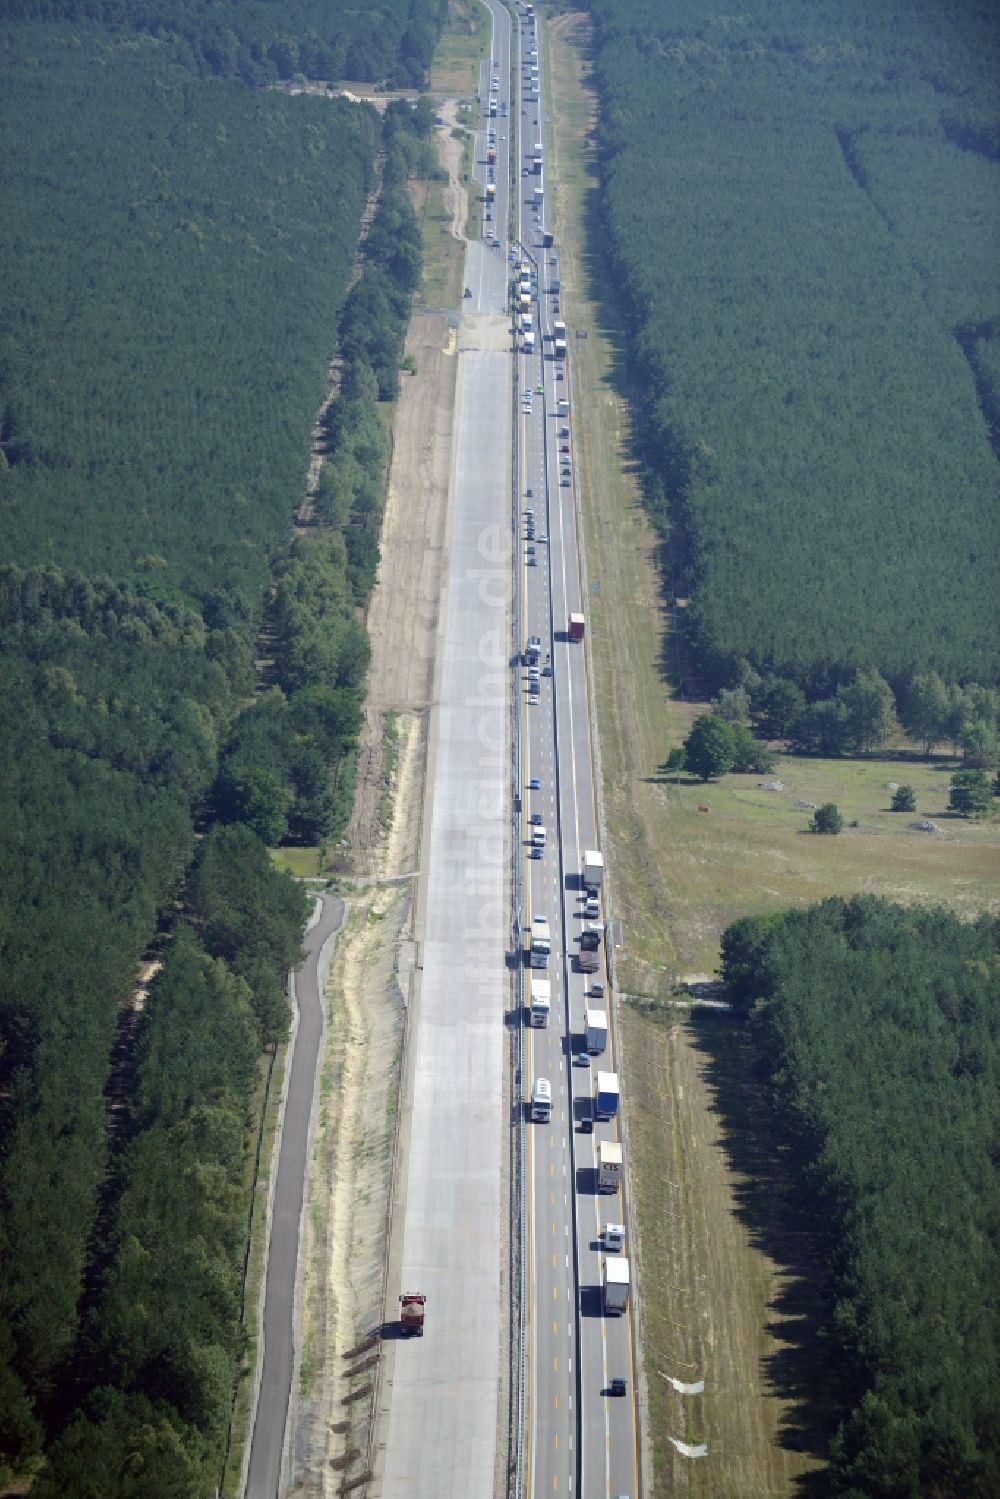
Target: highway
[581,1439]
[441,1391]
[444,1432]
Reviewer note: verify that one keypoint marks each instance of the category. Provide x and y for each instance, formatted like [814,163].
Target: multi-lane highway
[581,1438]
[512,447]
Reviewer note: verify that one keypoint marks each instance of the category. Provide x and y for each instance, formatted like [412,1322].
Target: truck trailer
[609,1166]
[597,1031]
[616,1282]
[541,1001]
[577,623]
[606,1095]
[541,942]
[593,867]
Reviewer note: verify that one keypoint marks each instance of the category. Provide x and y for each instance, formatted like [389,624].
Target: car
[587,1125]
[529,494]
[564,447]
[597,989]
[546,670]
[534,784]
[543,540]
[533,675]
[582,1059]
[553,260]
[564,481]
[560,375]
[536,819]
[617,1386]
[536,851]
[539,390]
[532,560]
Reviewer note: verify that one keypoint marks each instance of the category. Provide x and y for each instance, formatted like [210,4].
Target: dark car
[617,1386]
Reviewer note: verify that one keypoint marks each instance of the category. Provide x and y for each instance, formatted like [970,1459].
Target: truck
[609,1166]
[577,623]
[541,1001]
[562,409]
[491,191]
[491,156]
[590,937]
[411,1314]
[597,1031]
[527,321]
[493,109]
[539,194]
[533,650]
[559,338]
[541,942]
[613,1238]
[616,1278]
[606,1095]
[537,165]
[538,836]
[541,1100]
[529,343]
[588,961]
[593,867]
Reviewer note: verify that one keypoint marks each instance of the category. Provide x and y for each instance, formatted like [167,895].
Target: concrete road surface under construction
[442,1402]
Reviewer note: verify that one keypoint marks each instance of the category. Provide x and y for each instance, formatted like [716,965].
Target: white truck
[538,832]
[613,1237]
[616,1281]
[609,1166]
[597,1031]
[541,1001]
[541,1100]
[541,942]
[529,342]
[593,868]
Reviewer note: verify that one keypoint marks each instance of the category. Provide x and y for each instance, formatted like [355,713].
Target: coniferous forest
[876,1032]
[178,242]
[801,206]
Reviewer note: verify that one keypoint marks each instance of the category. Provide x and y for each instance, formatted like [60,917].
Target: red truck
[577,624]
[491,155]
[412,1313]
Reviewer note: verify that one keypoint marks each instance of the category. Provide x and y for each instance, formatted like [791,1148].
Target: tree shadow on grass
[796,1368]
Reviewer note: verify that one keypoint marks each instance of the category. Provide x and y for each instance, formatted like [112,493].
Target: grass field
[724,1287]
[464,41]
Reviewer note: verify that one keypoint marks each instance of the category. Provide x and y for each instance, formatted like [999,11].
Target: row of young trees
[177,261]
[864,714]
[874,1029]
[809,289]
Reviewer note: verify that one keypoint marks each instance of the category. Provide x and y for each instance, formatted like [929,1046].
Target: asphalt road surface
[264,1471]
[582,1440]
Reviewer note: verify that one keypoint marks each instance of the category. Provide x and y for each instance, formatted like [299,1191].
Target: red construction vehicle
[412,1314]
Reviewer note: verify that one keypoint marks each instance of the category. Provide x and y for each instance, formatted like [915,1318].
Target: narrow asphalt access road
[278,1353]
